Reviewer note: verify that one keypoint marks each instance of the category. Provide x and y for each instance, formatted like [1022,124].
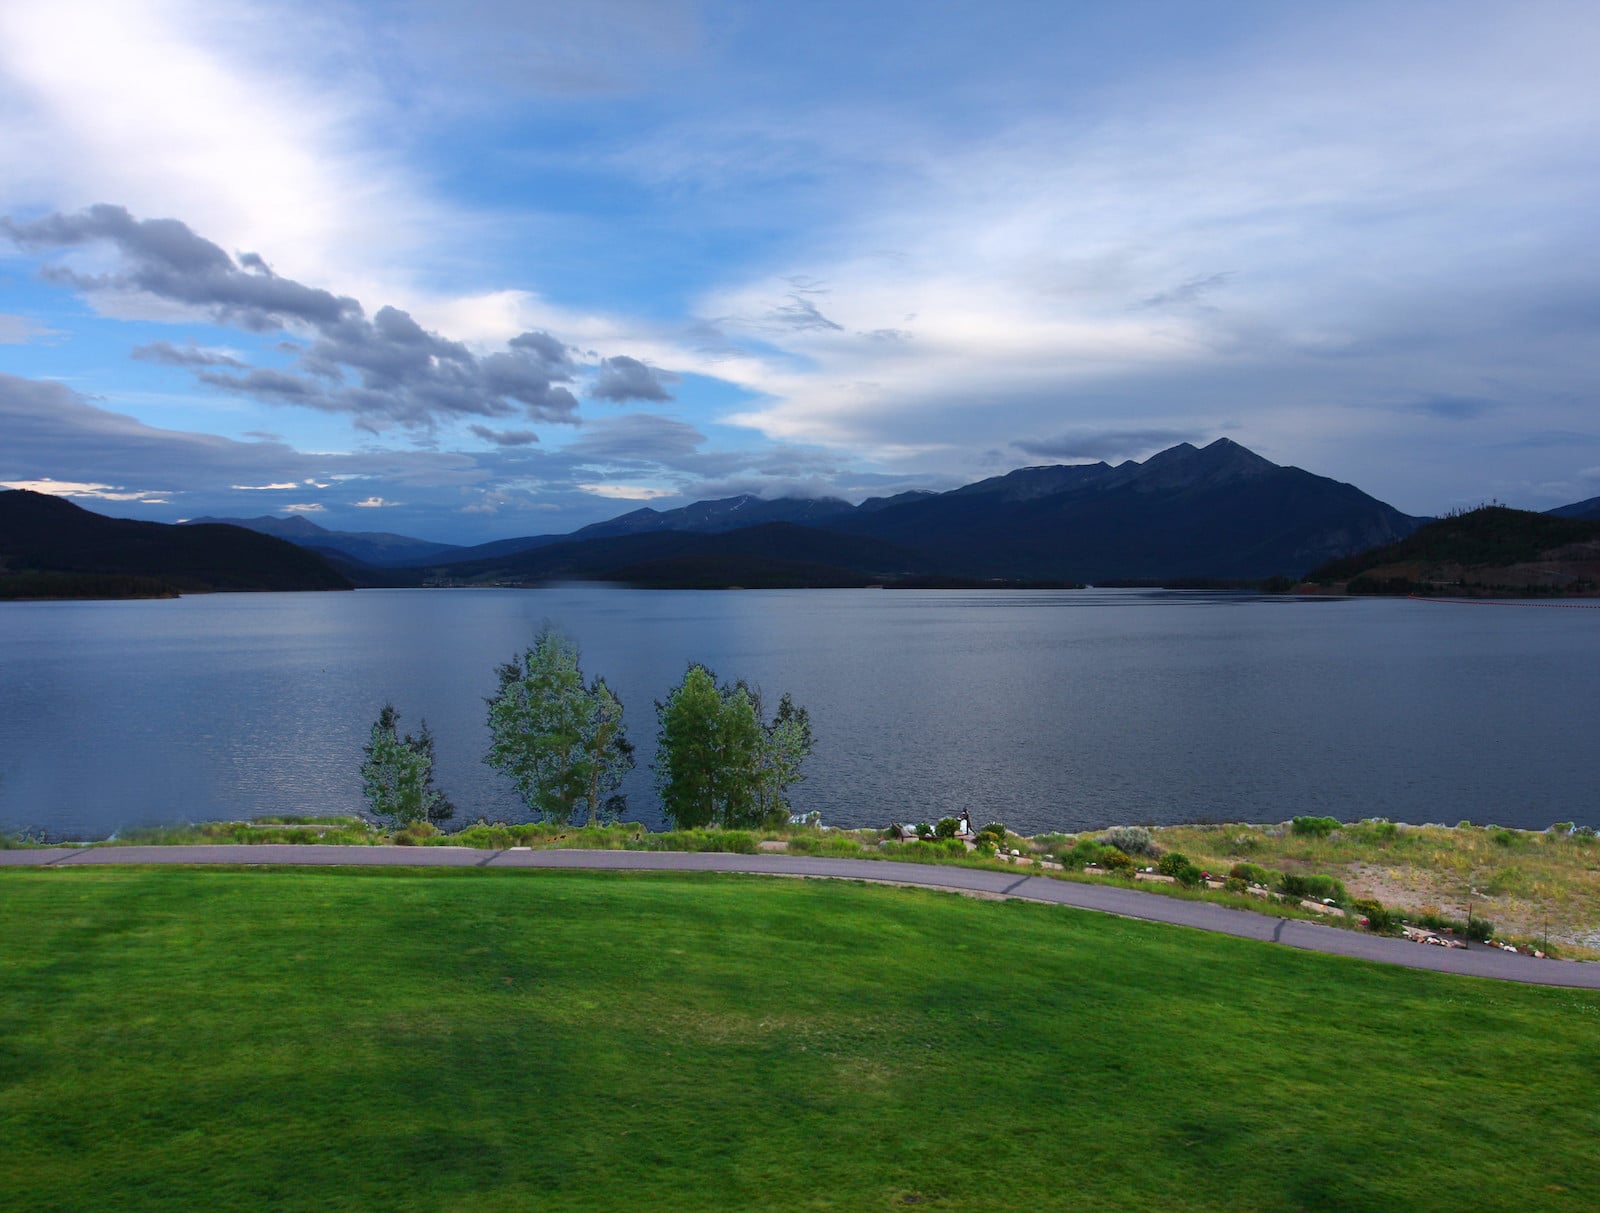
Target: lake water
[1046,710]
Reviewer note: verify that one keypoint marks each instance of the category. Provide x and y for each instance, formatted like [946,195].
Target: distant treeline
[16,586]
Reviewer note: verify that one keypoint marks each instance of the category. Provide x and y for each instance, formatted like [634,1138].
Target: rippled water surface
[1047,710]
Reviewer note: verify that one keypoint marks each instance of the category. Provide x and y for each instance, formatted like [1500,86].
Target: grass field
[478,1040]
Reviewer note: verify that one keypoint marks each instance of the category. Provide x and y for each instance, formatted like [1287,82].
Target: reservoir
[1047,710]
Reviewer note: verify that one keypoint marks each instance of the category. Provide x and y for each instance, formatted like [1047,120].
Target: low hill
[382,549]
[1492,551]
[50,542]
[773,555]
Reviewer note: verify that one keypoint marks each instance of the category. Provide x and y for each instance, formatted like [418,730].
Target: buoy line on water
[1552,606]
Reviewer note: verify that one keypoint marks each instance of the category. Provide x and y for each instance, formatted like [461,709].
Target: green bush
[1325,888]
[924,831]
[1379,920]
[1172,863]
[1480,930]
[1314,827]
[1114,860]
[946,827]
[415,834]
[1084,851]
[832,844]
[1506,838]
[1291,884]
[1130,840]
[1234,885]
[1253,873]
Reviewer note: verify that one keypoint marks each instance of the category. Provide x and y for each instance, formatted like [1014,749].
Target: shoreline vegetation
[1536,891]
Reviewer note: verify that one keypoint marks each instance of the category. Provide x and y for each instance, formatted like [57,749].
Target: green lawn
[382,1039]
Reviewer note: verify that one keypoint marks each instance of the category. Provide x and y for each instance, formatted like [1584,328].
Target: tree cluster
[397,775]
[562,743]
[558,739]
[719,761]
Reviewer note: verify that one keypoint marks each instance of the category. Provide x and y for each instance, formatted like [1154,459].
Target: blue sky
[477,270]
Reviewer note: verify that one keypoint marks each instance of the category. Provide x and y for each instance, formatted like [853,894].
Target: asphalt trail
[1478,961]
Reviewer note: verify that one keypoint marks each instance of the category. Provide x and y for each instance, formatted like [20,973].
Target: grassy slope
[1526,881]
[370,1039]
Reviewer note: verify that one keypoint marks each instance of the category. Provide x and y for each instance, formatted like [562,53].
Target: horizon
[513,270]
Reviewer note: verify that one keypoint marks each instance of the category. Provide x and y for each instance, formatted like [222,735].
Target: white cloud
[625,492]
[94,492]
[187,109]
[373,503]
[19,330]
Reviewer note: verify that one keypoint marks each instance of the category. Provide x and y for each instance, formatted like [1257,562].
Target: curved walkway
[1129,903]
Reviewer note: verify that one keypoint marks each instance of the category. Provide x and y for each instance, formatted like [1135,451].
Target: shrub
[924,831]
[1085,850]
[1561,827]
[995,828]
[1130,840]
[1505,838]
[986,847]
[1172,863]
[1325,888]
[1114,860]
[1292,885]
[803,844]
[1480,930]
[740,842]
[1314,827]
[1583,831]
[1234,885]
[946,827]
[417,833]
[1379,920]
[1251,873]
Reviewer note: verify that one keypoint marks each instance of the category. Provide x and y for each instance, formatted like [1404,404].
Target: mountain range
[1218,513]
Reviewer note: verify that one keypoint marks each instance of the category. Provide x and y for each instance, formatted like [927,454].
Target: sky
[484,269]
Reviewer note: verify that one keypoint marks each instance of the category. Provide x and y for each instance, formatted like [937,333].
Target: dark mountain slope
[1492,550]
[1222,511]
[40,533]
[1578,509]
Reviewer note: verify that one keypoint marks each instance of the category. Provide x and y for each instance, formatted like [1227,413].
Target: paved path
[1479,961]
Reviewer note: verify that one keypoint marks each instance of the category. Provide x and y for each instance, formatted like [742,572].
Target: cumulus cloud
[384,370]
[622,379]
[165,259]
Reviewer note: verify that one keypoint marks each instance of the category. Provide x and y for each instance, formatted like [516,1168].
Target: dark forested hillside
[41,534]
